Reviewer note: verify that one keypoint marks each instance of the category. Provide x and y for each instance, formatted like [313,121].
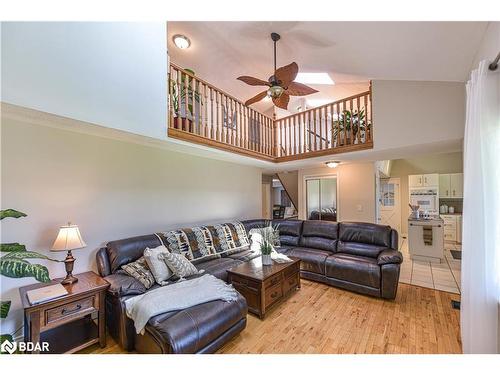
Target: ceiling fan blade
[282,101]
[286,74]
[299,89]
[252,81]
[256,98]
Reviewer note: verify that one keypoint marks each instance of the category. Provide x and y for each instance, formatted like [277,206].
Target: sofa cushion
[124,251]
[157,266]
[319,235]
[312,260]
[122,284]
[192,329]
[353,268]
[218,267]
[364,239]
[255,223]
[289,231]
[245,255]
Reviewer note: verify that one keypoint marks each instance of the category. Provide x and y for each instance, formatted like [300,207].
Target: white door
[266,201]
[390,203]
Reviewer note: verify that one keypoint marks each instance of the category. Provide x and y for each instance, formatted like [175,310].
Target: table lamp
[68,239]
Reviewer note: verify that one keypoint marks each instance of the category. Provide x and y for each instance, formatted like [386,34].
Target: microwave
[426,199]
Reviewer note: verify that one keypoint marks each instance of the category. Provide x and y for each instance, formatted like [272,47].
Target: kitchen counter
[431,219]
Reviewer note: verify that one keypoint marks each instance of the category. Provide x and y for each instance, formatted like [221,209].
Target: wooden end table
[263,286]
[68,323]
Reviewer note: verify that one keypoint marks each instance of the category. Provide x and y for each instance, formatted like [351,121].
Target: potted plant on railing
[347,120]
[183,99]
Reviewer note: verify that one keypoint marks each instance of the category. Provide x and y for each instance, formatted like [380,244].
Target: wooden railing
[341,126]
[201,113]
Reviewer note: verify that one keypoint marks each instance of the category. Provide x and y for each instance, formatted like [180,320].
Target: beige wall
[356,190]
[410,113]
[488,49]
[112,189]
[438,163]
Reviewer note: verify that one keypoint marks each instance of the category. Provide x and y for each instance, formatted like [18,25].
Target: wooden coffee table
[263,286]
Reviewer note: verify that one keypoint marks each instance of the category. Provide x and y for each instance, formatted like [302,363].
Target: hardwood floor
[323,319]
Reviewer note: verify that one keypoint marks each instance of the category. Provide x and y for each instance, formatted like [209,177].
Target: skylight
[314,79]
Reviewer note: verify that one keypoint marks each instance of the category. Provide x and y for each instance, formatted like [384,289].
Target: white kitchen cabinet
[431,179]
[452,228]
[451,185]
[415,180]
[444,186]
[423,180]
[457,185]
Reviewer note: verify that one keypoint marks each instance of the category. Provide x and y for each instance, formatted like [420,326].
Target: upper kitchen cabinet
[451,185]
[423,180]
[457,185]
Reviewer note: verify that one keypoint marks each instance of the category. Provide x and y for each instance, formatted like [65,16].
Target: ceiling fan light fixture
[275,91]
[181,41]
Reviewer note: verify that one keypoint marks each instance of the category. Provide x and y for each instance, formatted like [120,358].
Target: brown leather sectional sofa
[360,257]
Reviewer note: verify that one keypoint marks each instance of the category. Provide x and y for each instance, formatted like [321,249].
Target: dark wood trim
[194,138]
[328,151]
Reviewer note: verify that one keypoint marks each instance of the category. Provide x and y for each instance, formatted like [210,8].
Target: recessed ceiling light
[332,164]
[181,41]
[314,78]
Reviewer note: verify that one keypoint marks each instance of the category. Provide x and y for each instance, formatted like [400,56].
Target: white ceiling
[351,52]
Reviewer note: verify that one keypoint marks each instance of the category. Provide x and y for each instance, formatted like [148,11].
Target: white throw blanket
[177,296]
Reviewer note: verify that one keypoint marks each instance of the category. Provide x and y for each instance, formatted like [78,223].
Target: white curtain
[481,221]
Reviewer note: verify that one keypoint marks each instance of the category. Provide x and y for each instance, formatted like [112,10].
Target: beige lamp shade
[69,238]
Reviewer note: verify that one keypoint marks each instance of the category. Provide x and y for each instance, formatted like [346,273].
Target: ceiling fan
[281,84]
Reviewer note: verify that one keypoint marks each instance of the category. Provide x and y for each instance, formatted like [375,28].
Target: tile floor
[444,276]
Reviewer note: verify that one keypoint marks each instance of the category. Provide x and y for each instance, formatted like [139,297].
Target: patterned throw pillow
[139,270]
[194,243]
[157,266]
[179,265]
[232,237]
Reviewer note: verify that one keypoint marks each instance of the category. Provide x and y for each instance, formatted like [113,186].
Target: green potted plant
[180,93]
[347,119]
[14,264]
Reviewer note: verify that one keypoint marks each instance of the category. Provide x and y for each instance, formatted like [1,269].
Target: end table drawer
[70,310]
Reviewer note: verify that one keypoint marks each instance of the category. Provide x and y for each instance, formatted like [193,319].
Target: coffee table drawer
[250,284]
[70,310]
[294,268]
[273,294]
[273,280]
[292,282]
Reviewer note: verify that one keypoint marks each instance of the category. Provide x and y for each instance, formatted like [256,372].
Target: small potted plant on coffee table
[266,246]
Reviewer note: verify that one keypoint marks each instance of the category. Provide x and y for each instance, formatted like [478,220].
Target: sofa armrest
[390,256]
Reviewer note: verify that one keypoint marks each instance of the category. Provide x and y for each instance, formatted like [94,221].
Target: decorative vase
[266,260]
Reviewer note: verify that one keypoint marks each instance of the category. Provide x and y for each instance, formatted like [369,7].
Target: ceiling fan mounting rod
[275,37]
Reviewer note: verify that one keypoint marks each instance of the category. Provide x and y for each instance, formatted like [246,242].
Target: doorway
[266,200]
[389,203]
[321,198]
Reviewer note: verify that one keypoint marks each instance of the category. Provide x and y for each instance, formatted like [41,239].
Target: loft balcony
[203,114]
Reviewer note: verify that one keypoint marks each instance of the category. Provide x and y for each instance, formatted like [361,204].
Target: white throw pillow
[255,239]
[157,266]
